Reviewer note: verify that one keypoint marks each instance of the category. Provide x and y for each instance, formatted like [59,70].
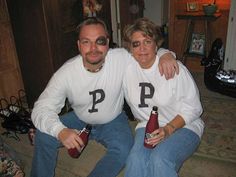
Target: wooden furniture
[177,27]
[45,38]
[10,76]
[191,18]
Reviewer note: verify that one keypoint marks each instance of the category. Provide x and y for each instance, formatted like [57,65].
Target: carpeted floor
[215,157]
[219,139]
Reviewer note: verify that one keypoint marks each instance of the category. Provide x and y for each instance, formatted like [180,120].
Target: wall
[177,28]
[157,11]
[129,11]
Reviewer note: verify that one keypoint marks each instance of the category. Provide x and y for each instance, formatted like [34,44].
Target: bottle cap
[154,108]
[88,127]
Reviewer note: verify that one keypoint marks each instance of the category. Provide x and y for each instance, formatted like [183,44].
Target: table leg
[187,39]
[207,40]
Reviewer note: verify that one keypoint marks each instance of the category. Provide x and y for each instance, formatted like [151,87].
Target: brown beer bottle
[84,134]
[152,125]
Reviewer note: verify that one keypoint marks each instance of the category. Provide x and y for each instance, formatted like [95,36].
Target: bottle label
[149,135]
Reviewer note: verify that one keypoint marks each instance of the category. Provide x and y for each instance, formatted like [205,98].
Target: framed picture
[197,45]
[192,6]
[91,7]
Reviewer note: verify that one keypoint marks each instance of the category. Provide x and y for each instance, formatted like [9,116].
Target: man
[92,83]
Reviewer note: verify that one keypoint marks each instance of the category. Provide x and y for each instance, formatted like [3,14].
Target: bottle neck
[87,129]
[153,112]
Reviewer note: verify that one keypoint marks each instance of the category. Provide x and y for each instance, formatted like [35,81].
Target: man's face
[93,44]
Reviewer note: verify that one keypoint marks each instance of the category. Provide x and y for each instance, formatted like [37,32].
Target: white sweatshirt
[96,98]
[145,88]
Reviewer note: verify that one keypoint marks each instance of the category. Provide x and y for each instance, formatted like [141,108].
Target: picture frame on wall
[192,6]
[197,45]
[91,8]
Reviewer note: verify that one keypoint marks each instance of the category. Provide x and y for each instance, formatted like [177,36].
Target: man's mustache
[94,53]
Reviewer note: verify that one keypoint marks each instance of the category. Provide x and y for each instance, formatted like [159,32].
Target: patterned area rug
[219,138]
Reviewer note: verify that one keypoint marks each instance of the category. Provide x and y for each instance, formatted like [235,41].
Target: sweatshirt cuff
[57,129]
[162,51]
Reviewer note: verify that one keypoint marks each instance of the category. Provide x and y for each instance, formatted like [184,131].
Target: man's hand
[70,139]
[168,66]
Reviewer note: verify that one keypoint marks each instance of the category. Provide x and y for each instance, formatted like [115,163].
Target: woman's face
[143,49]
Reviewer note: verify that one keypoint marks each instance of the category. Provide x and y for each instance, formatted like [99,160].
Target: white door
[230,51]
[157,11]
[115,18]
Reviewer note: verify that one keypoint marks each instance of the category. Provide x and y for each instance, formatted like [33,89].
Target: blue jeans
[116,136]
[165,159]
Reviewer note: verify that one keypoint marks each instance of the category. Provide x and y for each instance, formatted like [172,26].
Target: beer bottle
[84,134]
[152,125]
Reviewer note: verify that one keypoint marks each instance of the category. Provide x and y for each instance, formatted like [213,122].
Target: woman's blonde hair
[147,27]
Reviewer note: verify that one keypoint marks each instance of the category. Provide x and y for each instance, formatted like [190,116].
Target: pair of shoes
[26,113]
[14,117]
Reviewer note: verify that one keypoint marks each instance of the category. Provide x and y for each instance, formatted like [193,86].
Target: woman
[178,105]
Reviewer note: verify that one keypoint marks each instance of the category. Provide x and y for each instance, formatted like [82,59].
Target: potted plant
[209,9]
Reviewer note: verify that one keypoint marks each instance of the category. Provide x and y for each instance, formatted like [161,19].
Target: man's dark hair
[92,21]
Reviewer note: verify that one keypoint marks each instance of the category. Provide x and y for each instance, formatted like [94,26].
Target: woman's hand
[158,136]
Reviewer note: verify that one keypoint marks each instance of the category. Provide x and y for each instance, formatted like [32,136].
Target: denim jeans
[116,136]
[165,159]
